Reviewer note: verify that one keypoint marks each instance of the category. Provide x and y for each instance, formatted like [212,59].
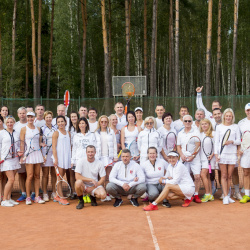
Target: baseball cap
[138,108]
[31,113]
[247,106]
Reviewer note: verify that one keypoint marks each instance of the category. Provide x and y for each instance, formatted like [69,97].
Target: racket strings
[170,142]
[245,143]
[128,90]
[207,146]
[193,145]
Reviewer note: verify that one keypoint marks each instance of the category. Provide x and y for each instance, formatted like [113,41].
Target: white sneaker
[39,200]
[13,202]
[53,195]
[45,197]
[231,200]
[6,203]
[106,199]
[222,197]
[28,201]
[237,196]
[226,200]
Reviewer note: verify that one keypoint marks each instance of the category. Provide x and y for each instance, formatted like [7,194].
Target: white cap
[173,153]
[247,106]
[138,108]
[31,113]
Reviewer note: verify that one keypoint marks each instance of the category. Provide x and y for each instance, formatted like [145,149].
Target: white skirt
[34,158]
[188,191]
[228,158]
[10,164]
[204,164]
[49,160]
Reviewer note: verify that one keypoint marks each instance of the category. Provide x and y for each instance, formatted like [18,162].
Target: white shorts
[245,159]
[22,169]
[93,191]
[194,167]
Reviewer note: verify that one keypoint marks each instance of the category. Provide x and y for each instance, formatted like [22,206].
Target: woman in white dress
[34,159]
[139,119]
[106,145]
[149,137]
[9,136]
[164,130]
[206,130]
[2,174]
[70,173]
[113,121]
[178,183]
[129,134]
[48,131]
[228,158]
[61,153]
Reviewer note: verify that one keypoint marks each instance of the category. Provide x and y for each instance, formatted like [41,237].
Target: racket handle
[57,171]
[209,167]
[1,161]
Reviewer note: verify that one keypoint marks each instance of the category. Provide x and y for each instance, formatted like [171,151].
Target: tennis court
[52,226]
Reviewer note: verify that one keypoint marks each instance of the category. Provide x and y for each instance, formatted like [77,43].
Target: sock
[154,203]
[24,193]
[207,194]
[80,197]
[247,192]
[237,188]
[196,193]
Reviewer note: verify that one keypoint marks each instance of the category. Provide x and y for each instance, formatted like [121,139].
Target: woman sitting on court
[154,168]
[178,183]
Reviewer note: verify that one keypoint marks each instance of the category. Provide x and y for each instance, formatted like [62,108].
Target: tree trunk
[171,50]
[145,40]
[33,49]
[110,42]
[106,52]
[153,51]
[13,48]
[1,72]
[84,36]
[27,56]
[127,21]
[176,90]
[50,48]
[233,86]
[208,52]
[39,53]
[217,81]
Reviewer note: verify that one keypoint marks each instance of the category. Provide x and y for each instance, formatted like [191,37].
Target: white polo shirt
[121,122]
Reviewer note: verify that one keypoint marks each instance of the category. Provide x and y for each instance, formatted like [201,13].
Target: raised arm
[199,102]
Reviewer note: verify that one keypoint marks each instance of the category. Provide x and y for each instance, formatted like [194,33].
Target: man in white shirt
[126,178]
[92,114]
[244,125]
[159,110]
[192,162]
[83,112]
[86,173]
[199,115]
[39,121]
[178,124]
[61,110]
[119,109]
[21,113]
[217,115]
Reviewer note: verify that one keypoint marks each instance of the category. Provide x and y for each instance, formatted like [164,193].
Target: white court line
[152,230]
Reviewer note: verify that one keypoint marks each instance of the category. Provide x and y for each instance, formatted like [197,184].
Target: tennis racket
[207,147]
[245,141]
[133,147]
[111,164]
[224,140]
[63,189]
[16,149]
[193,146]
[128,91]
[66,101]
[35,144]
[170,142]
[48,140]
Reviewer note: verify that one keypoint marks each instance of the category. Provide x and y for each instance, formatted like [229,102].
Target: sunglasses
[104,122]
[187,121]
[149,123]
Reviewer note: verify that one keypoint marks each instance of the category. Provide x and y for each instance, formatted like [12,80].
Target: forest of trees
[48,46]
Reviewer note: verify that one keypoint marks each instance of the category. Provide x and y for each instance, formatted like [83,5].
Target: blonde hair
[99,122]
[209,132]
[9,117]
[151,118]
[110,119]
[47,112]
[224,113]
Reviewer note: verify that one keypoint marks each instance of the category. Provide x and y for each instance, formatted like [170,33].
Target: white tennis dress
[48,133]
[6,140]
[63,149]
[35,156]
[131,136]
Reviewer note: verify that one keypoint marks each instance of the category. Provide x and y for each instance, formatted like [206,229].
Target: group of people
[123,155]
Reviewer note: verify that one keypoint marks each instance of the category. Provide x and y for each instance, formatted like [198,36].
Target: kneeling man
[126,178]
[178,184]
[86,172]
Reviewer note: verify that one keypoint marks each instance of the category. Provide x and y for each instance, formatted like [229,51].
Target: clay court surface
[52,226]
